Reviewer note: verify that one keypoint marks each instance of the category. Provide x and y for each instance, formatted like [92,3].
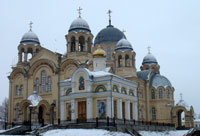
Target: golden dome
[99,53]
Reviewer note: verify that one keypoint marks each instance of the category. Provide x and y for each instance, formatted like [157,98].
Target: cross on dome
[149,49]
[109,14]
[30,25]
[79,11]
[181,95]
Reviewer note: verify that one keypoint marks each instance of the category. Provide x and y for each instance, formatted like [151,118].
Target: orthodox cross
[109,14]
[30,25]
[123,31]
[79,11]
[149,49]
[181,95]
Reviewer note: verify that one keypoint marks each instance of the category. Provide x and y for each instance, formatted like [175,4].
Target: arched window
[115,88]
[49,84]
[160,92]
[153,113]
[168,93]
[43,81]
[17,90]
[152,94]
[17,115]
[89,44]
[123,90]
[108,53]
[73,44]
[119,61]
[81,43]
[140,114]
[37,85]
[100,88]
[68,91]
[131,92]
[81,83]
[21,90]
[127,61]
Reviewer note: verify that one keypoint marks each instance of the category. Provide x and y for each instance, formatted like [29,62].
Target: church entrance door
[40,115]
[82,112]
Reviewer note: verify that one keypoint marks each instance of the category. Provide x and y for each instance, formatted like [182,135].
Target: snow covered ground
[164,133]
[83,132]
[99,132]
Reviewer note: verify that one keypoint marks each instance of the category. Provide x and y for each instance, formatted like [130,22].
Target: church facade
[93,79]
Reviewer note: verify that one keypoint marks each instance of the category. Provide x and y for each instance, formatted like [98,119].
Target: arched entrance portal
[180,119]
[40,115]
[179,113]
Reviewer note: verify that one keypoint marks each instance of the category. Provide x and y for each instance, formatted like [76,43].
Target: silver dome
[123,45]
[30,38]
[149,59]
[79,24]
[159,80]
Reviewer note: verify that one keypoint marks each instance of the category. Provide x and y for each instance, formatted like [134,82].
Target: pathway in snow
[83,132]
[165,133]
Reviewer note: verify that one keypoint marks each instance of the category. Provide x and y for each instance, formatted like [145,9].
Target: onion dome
[159,80]
[30,38]
[108,34]
[123,45]
[149,59]
[78,25]
[99,53]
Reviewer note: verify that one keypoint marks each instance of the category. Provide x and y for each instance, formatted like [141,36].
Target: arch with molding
[177,119]
[100,88]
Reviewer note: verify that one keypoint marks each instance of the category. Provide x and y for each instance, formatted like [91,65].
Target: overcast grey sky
[170,27]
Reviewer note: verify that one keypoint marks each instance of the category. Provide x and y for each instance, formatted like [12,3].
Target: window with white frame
[160,92]
[43,75]
[49,84]
[153,113]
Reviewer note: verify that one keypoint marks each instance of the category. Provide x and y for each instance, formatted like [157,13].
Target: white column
[120,108]
[73,86]
[109,106]
[62,107]
[89,86]
[73,109]
[128,110]
[89,108]
[135,110]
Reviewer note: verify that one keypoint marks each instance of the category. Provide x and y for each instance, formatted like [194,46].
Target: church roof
[149,59]
[30,38]
[78,25]
[159,80]
[183,104]
[108,34]
[144,75]
[123,45]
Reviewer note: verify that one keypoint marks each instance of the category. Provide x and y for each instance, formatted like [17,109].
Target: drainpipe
[59,65]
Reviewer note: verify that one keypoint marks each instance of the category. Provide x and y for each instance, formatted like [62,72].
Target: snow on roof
[184,104]
[97,73]
[67,80]
[34,98]
[83,132]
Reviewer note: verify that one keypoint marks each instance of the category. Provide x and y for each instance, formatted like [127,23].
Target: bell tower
[79,40]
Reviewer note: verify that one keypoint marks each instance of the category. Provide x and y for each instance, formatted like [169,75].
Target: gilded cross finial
[79,12]
[149,49]
[181,95]
[109,14]
[30,25]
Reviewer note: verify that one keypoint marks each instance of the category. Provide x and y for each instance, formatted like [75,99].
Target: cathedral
[96,77]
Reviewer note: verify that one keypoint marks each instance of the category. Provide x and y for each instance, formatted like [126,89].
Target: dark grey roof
[144,75]
[149,59]
[159,80]
[30,38]
[79,24]
[108,34]
[123,45]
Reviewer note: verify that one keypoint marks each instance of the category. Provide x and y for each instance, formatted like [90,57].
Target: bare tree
[4,111]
